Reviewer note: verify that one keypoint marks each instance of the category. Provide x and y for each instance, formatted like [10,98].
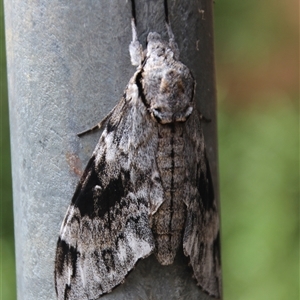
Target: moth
[147,187]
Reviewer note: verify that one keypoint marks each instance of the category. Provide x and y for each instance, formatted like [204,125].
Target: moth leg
[207,120]
[97,126]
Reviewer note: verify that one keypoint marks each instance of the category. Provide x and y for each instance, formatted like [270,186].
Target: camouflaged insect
[147,187]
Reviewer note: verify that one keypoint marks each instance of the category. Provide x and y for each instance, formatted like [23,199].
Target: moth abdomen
[168,222]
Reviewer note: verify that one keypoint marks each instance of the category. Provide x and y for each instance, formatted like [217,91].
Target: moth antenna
[135,48]
[172,44]
[166,11]
[133,13]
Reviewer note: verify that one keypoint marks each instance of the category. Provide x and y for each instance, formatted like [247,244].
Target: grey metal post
[68,64]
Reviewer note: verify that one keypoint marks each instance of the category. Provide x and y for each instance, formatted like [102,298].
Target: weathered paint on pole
[68,64]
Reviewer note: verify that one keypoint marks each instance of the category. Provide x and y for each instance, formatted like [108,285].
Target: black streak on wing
[111,127]
[65,252]
[172,180]
[112,193]
[65,255]
[140,88]
[85,192]
[217,256]
[205,187]
[108,258]
[67,291]
[216,249]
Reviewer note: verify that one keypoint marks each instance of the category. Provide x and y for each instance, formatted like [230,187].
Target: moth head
[167,84]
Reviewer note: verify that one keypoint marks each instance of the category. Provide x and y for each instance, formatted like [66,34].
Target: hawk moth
[147,187]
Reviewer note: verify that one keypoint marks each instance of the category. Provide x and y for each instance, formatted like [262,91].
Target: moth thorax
[169,94]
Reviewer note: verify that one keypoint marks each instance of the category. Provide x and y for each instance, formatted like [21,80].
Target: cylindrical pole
[68,64]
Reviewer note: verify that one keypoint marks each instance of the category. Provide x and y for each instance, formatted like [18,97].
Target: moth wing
[106,229]
[201,240]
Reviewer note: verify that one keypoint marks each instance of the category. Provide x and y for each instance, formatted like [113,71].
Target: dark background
[257,64]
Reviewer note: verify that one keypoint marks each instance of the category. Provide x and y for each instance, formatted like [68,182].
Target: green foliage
[7,256]
[258,148]
[259,201]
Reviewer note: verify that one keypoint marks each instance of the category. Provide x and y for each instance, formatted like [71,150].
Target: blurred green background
[257,62]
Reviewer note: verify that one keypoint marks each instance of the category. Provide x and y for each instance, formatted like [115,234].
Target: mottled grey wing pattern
[201,235]
[106,229]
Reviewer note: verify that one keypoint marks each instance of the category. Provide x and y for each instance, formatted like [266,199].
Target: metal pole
[68,64]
